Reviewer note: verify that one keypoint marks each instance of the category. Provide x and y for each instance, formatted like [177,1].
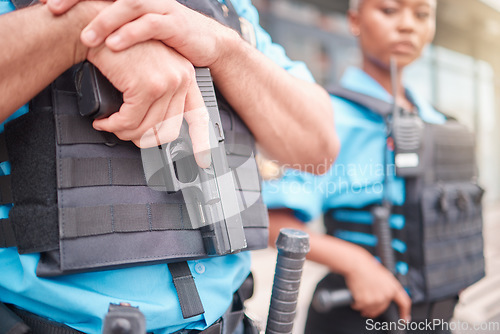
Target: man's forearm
[36,48]
[290,118]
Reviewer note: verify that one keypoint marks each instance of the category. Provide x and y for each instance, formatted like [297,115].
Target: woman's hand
[373,288]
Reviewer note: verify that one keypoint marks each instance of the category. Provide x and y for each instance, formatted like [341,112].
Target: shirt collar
[359,81]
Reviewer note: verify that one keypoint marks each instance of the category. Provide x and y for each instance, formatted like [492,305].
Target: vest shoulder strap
[23,3]
[377,106]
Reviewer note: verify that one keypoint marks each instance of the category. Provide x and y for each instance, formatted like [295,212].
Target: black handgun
[209,193]
[124,319]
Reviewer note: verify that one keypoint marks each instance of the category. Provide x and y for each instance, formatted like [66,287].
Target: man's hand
[159,90]
[373,288]
[128,22]
[283,130]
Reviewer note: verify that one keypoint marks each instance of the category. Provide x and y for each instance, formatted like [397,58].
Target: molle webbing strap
[82,222]
[121,218]
[334,224]
[87,172]
[186,289]
[127,171]
[75,129]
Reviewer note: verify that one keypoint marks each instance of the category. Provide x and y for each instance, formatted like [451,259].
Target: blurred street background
[459,74]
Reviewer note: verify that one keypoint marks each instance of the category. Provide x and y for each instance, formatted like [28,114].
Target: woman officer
[386,29]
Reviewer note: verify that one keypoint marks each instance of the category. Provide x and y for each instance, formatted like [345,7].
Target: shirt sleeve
[275,52]
[300,191]
[6,6]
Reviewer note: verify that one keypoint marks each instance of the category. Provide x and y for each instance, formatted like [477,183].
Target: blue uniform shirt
[81,300]
[356,178]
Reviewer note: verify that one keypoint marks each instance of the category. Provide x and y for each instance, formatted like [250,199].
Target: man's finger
[146,27]
[196,115]
[162,133]
[169,128]
[117,15]
[163,121]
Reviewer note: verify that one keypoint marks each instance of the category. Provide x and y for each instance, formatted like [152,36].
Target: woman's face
[397,28]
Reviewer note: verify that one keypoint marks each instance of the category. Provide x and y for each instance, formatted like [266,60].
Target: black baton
[292,246]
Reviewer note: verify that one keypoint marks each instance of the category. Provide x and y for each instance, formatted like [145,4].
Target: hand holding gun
[209,193]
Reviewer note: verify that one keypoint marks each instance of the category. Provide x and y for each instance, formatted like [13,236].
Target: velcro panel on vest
[33,173]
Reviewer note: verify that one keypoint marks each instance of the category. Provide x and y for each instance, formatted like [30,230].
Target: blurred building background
[459,74]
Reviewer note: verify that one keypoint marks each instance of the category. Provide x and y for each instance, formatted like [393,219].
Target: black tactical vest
[81,198]
[442,209]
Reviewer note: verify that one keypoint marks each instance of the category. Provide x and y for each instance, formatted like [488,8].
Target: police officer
[151,61]
[386,29]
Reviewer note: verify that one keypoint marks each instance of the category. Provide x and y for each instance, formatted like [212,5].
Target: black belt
[16,321]
[24,322]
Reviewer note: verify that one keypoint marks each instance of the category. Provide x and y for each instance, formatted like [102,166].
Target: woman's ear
[353,16]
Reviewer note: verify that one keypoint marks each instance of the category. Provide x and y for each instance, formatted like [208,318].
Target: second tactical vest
[81,198]
[442,249]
